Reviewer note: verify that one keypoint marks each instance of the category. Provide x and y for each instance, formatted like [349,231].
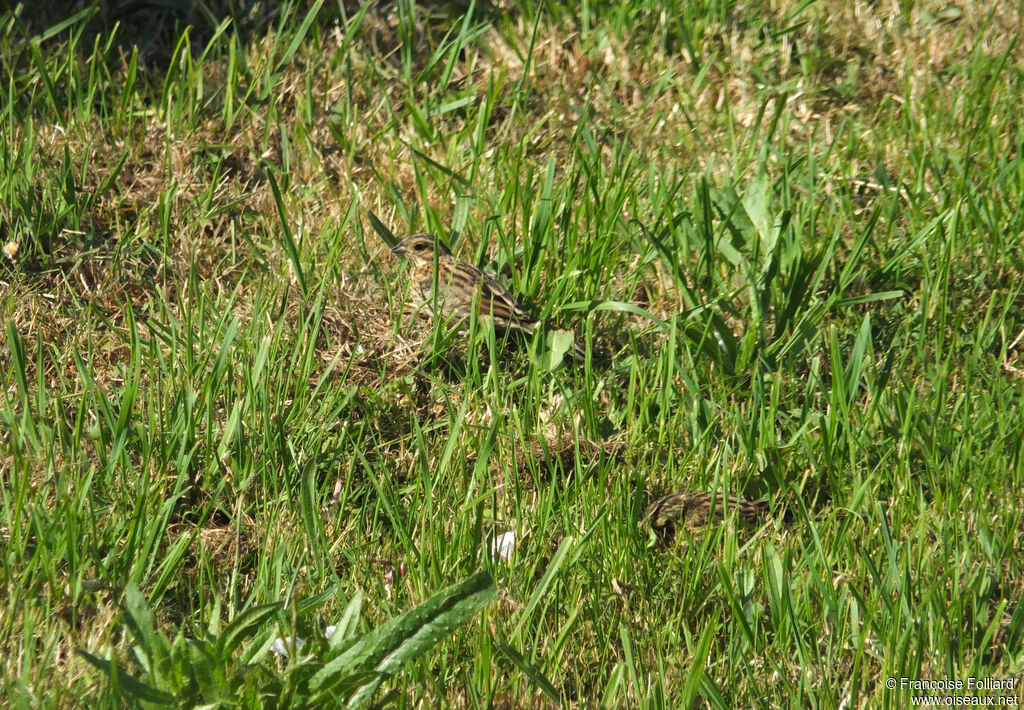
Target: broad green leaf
[559,342]
[243,626]
[755,201]
[387,647]
[139,619]
[348,625]
[126,681]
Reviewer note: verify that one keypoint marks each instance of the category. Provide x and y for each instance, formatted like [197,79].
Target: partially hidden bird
[463,287]
[694,511]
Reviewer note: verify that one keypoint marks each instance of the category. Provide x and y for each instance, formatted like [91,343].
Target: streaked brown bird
[694,511]
[463,287]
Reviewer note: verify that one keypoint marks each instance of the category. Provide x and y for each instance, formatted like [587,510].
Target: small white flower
[503,545]
[11,250]
[280,646]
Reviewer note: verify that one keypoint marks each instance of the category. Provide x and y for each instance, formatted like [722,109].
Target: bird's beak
[398,249]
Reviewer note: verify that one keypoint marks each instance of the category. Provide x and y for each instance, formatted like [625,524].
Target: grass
[796,227]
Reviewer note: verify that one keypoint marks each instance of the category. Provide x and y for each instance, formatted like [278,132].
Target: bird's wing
[503,304]
[495,299]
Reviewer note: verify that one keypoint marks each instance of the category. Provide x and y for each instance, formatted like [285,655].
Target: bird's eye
[419,247]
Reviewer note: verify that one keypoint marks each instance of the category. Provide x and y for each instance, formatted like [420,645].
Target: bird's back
[464,286]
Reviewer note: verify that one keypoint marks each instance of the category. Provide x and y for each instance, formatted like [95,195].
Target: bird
[464,287]
[697,510]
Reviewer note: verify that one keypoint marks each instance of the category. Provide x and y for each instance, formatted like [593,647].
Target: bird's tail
[579,351]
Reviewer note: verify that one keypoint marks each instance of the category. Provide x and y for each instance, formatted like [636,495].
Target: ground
[795,228]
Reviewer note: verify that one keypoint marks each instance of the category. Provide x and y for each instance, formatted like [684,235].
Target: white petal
[503,545]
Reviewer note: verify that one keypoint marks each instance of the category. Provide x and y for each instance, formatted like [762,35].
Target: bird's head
[419,248]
